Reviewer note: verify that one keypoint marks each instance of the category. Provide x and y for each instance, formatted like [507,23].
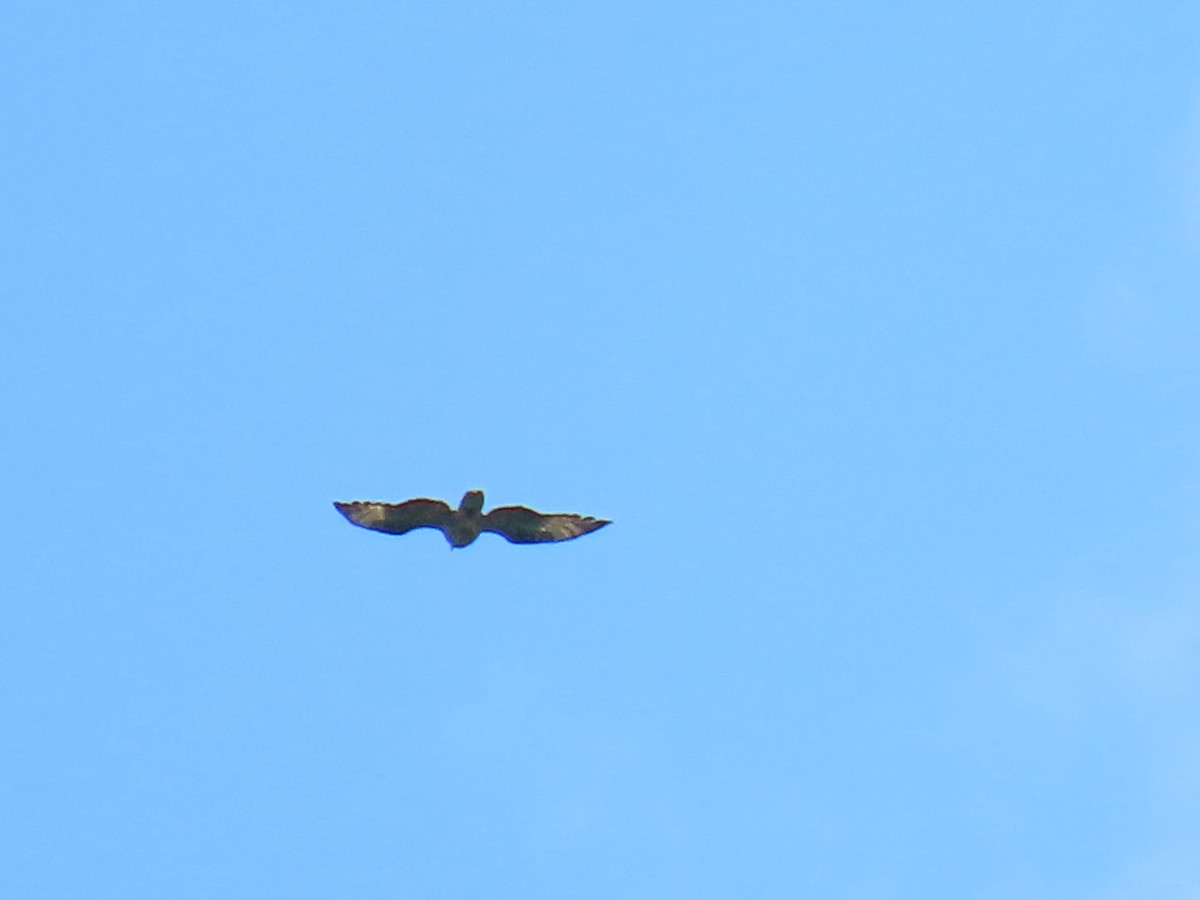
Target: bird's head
[471,503]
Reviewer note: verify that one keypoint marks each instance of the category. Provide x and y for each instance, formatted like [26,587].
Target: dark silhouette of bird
[516,524]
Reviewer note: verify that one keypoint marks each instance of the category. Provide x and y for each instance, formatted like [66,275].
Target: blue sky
[873,327]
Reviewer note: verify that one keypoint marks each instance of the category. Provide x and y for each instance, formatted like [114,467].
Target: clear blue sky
[874,327]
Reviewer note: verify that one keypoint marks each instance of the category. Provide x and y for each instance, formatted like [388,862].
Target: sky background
[873,327]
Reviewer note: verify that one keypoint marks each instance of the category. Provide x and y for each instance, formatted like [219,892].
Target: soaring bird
[517,524]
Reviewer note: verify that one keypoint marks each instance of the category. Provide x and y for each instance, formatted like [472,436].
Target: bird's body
[517,524]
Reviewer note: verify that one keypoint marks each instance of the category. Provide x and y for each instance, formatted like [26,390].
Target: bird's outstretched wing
[522,525]
[396,518]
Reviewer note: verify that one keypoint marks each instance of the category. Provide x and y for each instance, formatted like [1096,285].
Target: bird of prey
[517,524]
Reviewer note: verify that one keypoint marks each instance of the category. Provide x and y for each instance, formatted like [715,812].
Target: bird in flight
[516,524]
